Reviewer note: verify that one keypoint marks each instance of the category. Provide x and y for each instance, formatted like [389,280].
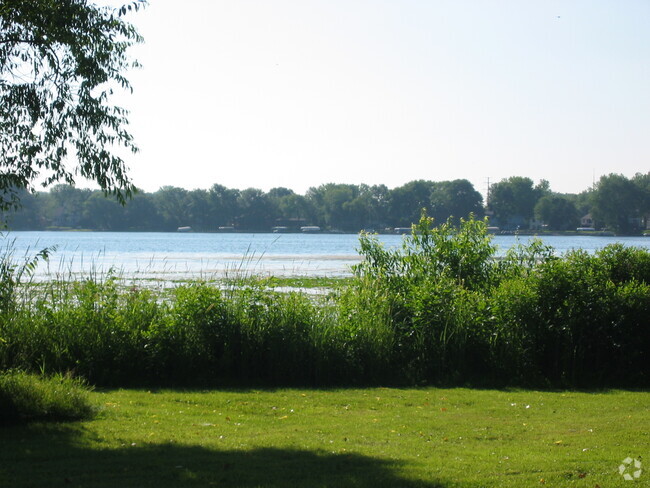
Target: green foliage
[515,197]
[455,312]
[91,327]
[194,337]
[27,397]
[442,308]
[580,320]
[557,212]
[366,330]
[59,64]
[247,334]
[462,254]
[199,335]
[617,201]
[425,298]
[331,206]
[457,199]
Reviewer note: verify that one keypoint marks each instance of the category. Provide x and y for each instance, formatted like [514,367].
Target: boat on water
[309,229]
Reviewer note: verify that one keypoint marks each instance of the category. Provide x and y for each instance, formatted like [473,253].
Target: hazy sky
[304,92]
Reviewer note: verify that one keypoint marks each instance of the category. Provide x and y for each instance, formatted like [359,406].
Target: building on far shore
[587,221]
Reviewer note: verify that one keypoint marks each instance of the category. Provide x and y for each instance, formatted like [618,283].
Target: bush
[425,301]
[27,397]
[443,308]
[457,313]
[581,320]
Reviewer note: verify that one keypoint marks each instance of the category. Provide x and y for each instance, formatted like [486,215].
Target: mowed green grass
[367,438]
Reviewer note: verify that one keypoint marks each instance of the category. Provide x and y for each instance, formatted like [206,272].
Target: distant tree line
[615,202]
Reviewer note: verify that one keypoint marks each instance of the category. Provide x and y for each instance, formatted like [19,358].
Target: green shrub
[459,313]
[427,299]
[623,264]
[581,320]
[28,397]
[443,308]
[464,254]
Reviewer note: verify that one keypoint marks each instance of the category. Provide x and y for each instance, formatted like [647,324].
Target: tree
[557,212]
[60,62]
[513,199]
[276,198]
[289,208]
[295,207]
[67,205]
[642,182]
[224,205]
[199,210]
[370,207]
[255,210]
[31,215]
[583,201]
[333,202]
[279,192]
[407,201]
[174,206]
[102,214]
[141,214]
[457,198]
[617,201]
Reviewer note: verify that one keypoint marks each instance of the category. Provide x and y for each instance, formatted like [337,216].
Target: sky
[299,93]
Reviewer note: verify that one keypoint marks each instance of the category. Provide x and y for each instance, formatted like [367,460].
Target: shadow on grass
[55,455]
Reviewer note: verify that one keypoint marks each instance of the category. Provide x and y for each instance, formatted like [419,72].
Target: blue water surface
[196,255]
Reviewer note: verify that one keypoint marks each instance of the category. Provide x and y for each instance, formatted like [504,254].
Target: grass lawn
[337,438]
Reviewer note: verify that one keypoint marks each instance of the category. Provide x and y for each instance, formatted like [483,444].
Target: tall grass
[25,397]
[441,309]
[197,335]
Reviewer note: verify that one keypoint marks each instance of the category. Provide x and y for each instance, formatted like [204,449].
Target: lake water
[171,256]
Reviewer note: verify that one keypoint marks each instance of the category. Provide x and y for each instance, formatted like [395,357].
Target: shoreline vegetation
[440,310]
[615,205]
[527,233]
[435,365]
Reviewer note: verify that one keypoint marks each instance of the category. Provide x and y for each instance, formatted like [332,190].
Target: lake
[171,256]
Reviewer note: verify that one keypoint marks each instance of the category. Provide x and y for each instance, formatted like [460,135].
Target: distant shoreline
[527,233]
